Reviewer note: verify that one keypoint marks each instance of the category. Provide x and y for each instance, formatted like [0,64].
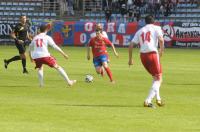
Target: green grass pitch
[100,106]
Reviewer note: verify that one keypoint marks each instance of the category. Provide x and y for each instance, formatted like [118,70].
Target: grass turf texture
[100,106]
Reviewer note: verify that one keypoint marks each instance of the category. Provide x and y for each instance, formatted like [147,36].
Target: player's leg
[22,51]
[7,61]
[50,61]
[156,85]
[157,76]
[98,69]
[23,58]
[40,76]
[146,61]
[150,96]
[38,65]
[152,64]
[102,71]
[62,72]
[98,66]
[14,58]
[104,61]
[108,71]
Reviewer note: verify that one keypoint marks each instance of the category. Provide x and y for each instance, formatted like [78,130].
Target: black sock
[15,58]
[24,63]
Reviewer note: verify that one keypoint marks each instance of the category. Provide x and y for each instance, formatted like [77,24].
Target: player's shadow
[184,84]
[100,105]
[13,86]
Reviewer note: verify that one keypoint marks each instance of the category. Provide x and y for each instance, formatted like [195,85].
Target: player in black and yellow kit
[21,36]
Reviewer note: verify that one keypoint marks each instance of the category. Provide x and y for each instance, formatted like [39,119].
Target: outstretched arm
[63,53]
[130,51]
[31,59]
[30,49]
[52,44]
[88,52]
[30,37]
[114,50]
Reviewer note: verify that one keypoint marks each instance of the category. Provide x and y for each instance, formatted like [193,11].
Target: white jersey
[147,37]
[39,46]
[104,34]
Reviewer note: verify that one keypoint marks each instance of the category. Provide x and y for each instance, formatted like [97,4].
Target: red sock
[109,73]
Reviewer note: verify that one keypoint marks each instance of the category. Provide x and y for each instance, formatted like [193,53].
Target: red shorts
[50,61]
[151,63]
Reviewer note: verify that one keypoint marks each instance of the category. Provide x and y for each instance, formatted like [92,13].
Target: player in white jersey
[39,53]
[99,27]
[148,38]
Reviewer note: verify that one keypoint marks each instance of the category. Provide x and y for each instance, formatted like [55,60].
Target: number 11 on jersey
[39,42]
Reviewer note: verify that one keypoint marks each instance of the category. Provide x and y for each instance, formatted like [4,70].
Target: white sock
[151,95]
[156,86]
[154,91]
[64,74]
[40,77]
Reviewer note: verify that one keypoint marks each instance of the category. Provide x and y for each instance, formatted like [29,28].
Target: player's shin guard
[64,74]
[40,77]
[109,73]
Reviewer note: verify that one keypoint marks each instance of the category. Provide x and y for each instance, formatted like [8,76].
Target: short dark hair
[43,28]
[149,19]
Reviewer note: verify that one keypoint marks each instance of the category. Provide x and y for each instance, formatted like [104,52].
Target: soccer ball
[89,78]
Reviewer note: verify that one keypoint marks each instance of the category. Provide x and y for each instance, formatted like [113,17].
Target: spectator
[174,4]
[131,14]
[151,7]
[142,7]
[70,4]
[129,4]
[157,8]
[137,14]
[63,6]
[167,7]
[123,12]
[108,14]
[115,5]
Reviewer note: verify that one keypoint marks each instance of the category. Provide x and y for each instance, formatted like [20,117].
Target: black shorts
[21,48]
